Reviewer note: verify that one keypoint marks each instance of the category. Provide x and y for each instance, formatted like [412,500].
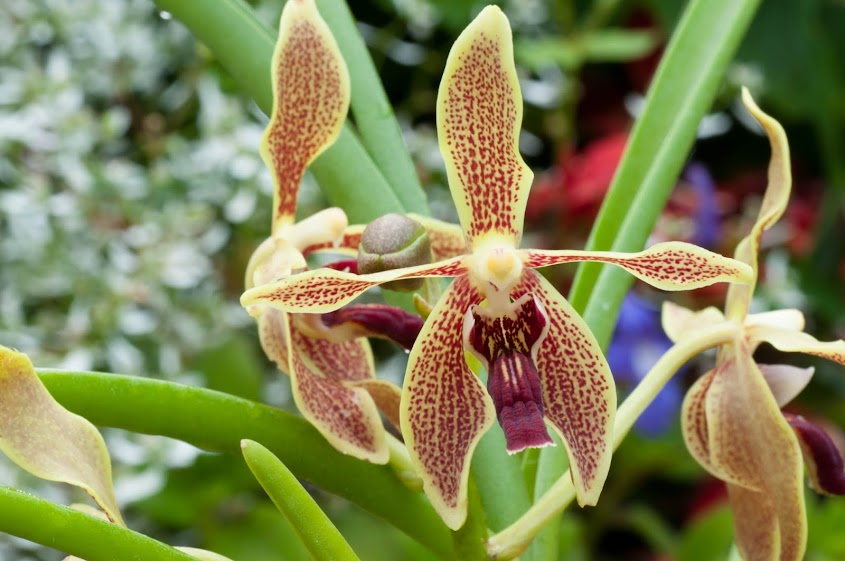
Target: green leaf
[320,537]
[377,125]
[604,45]
[46,439]
[74,532]
[682,91]
[218,422]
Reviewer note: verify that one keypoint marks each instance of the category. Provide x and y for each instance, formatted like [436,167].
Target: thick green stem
[218,422]
[512,541]
[76,533]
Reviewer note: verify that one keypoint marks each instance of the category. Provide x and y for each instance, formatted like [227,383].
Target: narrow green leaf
[244,46]
[218,422]
[46,439]
[316,532]
[604,45]
[681,92]
[74,532]
[374,118]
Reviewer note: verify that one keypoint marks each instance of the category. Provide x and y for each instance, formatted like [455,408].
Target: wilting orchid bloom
[731,416]
[329,360]
[543,362]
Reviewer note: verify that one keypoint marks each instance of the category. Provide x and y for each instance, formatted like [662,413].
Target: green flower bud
[391,242]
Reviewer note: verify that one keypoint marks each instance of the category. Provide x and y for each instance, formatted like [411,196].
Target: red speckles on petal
[667,266]
[326,290]
[479,115]
[310,100]
[694,422]
[578,389]
[346,416]
[445,408]
[345,360]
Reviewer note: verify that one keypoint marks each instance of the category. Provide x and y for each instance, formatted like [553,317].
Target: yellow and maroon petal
[667,265]
[345,361]
[791,341]
[694,422]
[326,290]
[447,240]
[773,206]
[578,389]
[344,414]
[479,116]
[445,409]
[386,396]
[310,101]
[272,332]
[752,442]
[682,323]
[47,440]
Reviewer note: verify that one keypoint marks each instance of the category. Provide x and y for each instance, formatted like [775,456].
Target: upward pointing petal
[310,101]
[479,115]
[774,203]
[326,290]
[667,265]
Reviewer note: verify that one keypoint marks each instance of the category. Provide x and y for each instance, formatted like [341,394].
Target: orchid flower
[543,362]
[329,360]
[731,416]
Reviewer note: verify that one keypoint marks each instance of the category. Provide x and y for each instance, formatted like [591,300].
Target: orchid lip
[506,344]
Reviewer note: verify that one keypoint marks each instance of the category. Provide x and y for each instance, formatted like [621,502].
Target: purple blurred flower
[708,230]
[637,344]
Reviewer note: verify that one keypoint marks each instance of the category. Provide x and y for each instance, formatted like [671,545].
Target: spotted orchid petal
[823,459]
[667,265]
[578,389]
[326,290]
[694,422]
[790,341]
[345,414]
[310,101]
[447,240]
[784,381]
[273,335]
[445,409]
[479,116]
[772,208]
[752,443]
[386,396]
[47,440]
[681,323]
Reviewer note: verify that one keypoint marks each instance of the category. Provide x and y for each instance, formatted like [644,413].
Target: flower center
[495,271]
[506,344]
